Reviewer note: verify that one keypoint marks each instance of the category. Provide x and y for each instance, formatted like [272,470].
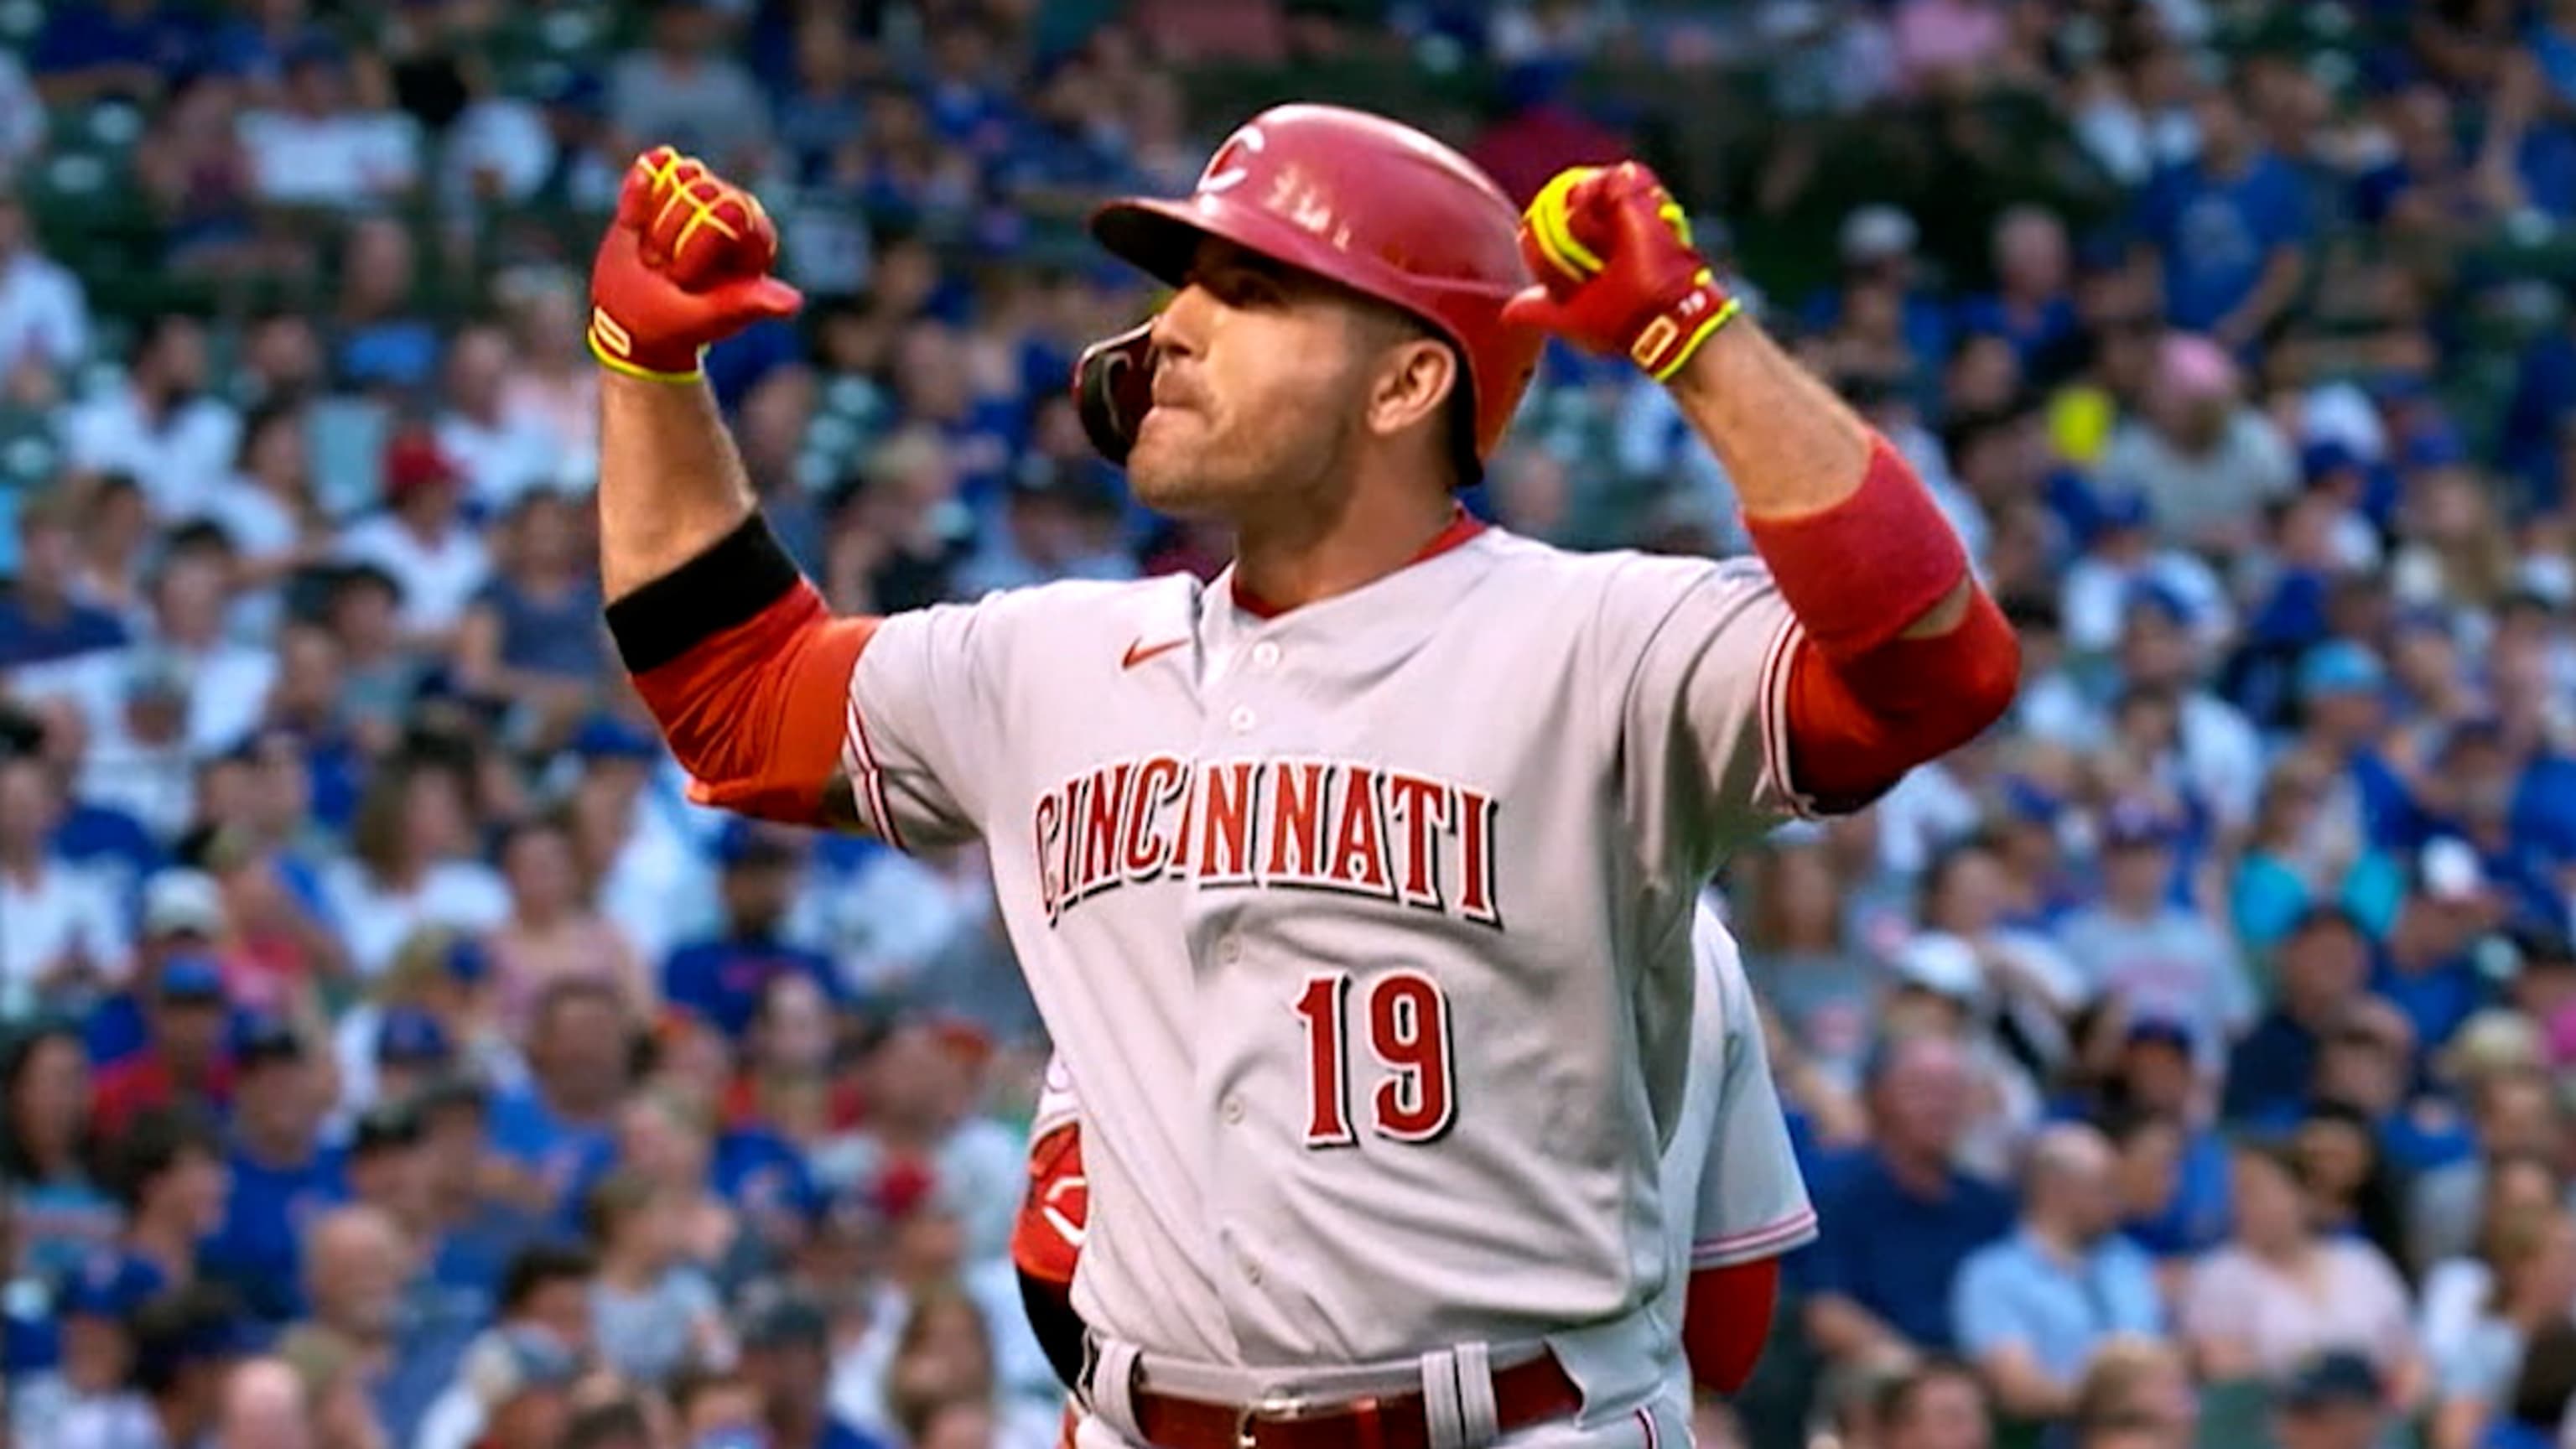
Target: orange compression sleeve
[747,673]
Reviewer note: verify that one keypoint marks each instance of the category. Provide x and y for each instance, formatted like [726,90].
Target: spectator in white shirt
[501,455]
[227,683]
[411,865]
[44,316]
[59,927]
[319,150]
[158,424]
[2124,555]
[422,540]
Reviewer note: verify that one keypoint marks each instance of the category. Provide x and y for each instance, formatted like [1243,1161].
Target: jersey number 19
[1407,1020]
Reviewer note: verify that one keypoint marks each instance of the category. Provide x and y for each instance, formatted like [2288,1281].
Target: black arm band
[728,585]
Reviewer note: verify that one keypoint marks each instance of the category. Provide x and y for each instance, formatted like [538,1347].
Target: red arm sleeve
[757,712]
[1866,703]
[1857,725]
[1046,1241]
[1725,1320]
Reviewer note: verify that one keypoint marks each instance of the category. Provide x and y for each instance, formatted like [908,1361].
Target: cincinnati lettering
[1292,824]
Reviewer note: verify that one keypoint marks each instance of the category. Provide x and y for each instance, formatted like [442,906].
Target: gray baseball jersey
[1730,1157]
[1365,928]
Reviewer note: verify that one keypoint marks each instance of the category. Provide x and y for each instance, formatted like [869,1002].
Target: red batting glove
[685,264]
[1616,269]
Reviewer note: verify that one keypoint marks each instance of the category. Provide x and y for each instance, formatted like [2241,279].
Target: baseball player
[1354,885]
[1730,1157]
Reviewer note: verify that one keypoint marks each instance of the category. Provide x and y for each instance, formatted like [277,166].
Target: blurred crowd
[393,1057]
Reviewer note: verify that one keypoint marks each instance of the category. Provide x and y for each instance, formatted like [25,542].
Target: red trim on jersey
[1462,526]
[1857,724]
[1725,1320]
[759,713]
[1056,1200]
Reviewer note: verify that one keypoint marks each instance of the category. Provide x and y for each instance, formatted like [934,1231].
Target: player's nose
[1180,329]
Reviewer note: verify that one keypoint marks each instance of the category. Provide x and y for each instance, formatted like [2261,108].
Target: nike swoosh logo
[1140,651]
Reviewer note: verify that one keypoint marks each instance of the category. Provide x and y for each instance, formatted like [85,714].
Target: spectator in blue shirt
[724,979]
[1902,1219]
[41,619]
[2231,227]
[2032,1310]
[2426,970]
[281,1178]
[560,1128]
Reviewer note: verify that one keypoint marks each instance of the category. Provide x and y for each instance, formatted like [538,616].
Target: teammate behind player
[1356,884]
[1730,1156]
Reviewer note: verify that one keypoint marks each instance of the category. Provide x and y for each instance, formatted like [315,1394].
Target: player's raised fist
[1616,269]
[686,263]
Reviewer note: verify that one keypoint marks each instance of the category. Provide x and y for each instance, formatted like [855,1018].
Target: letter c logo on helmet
[1364,201]
[1224,171]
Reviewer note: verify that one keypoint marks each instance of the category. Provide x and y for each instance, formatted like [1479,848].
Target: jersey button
[1251,1272]
[1230,950]
[1265,654]
[1242,720]
[1234,1109]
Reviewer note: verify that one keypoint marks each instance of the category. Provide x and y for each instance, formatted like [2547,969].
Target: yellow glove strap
[612,346]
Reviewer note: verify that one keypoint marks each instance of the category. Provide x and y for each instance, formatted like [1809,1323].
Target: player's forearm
[671,484]
[1828,502]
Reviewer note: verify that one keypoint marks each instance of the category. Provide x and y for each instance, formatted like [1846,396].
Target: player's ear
[1412,384]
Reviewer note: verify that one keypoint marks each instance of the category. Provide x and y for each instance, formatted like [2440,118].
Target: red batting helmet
[1364,201]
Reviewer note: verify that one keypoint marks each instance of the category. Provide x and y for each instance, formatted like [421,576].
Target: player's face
[1258,379]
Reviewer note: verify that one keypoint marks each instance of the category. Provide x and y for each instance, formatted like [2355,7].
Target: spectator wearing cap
[2216,755]
[42,618]
[413,862]
[184,1058]
[2033,1309]
[439,984]
[2322,965]
[2281,1290]
[2124,555]
[385,1165]
[544,1300]
[160,424]
[65,937]
[281,1178]
[1891,1286]
[2426,967]
[423,541]
[61,1216]
[787,1356]
[725,978]
[2334,1400]
[2140,947]
[2205,459]
[167,1173]
[2342,691]
[1940,985]
[2173,1159]
[185,1346]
